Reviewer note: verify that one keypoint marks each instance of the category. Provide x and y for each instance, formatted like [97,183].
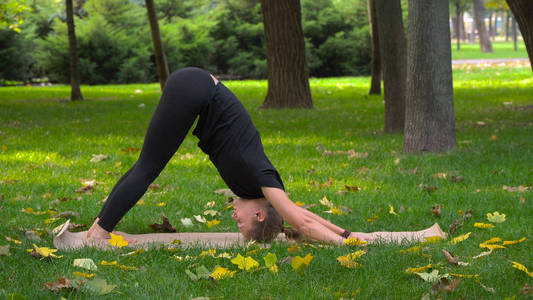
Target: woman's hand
[367,237]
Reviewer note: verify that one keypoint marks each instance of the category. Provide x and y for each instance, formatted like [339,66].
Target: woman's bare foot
[435,230]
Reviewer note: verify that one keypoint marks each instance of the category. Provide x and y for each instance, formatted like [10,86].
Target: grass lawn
[46,146]
[501,50]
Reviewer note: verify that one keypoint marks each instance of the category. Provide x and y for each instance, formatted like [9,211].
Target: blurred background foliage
[224,36]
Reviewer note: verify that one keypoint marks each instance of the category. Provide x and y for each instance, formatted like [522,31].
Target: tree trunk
[375,70]
[75,91]
[458,24]
[429,117]
[463,30]
[288,75]
[478,7]
[393,48]
[523,13]
[491,29]
[160,58]
[507,26]
[515,34]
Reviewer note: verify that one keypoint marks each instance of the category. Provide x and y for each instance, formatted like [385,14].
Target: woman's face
[246,213]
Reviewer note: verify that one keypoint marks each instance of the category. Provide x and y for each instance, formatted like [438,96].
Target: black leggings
[184,94]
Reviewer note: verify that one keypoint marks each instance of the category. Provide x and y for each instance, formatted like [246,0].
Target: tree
[11,14]
[460,7]
[393,50]
[288,77]
[75,91]
[375,69]
[160,58]
[523,13]
[429,116]
[478,8]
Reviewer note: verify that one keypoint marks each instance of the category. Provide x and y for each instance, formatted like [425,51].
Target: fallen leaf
[520,188]
[130,150]
[245,263]
[211,212]
[464,275]
[299,203]
[352,188]
[391,210]
[160,204]
[430,277]
[221,273]
[483,225]
[418,269]
[327,183]
[349,260]
[440,175]
[491,246]
[225,192]
[270,259]
[324,201]
[132,253]
[83,274]
[187,222]
[492,240]
[432,239]
[460,238]
[200,219]
[486,288]
[449,257]
[13,240]
[485,253]
[527,290]
[436,210]
[31,235]
[496,217]
[99,286]
[118,164]
[354,242]
[415,249]
[212,223]
[428,188]
[85,263]
[459,222]
[117,240]
[165,226]
[522,268]
[444,285]
[294,248]
[514,241]
[98,158]
[299,263]
[43,252]
[61,285]
[154,186]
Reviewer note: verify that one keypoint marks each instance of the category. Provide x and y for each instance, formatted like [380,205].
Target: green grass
[501,50]
[46,145]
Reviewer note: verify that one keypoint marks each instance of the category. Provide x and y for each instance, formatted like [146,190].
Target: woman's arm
[302,221]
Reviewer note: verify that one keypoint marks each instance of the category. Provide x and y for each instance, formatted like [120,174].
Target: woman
[228,136]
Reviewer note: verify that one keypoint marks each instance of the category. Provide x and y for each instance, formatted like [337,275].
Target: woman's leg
[183,96]
[400,237]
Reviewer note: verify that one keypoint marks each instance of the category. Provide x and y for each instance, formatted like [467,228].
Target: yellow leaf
[106,263]
[492,240]
[83,274]
[521,267]
[356,254]
[491,246]
[483,225]
[245,263]
[212,223]
[161,204]
[127,268]
[118,164]
[140,202]
[221,273]
[496,217]
[354,242]
[336,211]
[460,238]
[209,252]
[431,240]
[418,269]
[273,268]
[51,220]
[348,263]
[299,263]
[117,240]
[514,242]
[415,249]
[13,240]
[294,248]
[324,201]
[299,203]
[391,210]
[464,275]
[45,251]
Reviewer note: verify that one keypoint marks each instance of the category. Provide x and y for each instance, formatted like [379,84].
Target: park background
[59,159]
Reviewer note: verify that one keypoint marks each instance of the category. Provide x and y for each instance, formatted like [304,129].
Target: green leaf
[496,217]
[191,275]
[4,250]
[85,263]
[99,286]
[431,277]
[202,272]
[270,259]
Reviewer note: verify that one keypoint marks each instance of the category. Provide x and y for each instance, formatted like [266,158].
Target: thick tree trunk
[375,69]
[478,6]
[393,48]
[523,13]
[75,91]
[160,58]
[288,75]
[429,117]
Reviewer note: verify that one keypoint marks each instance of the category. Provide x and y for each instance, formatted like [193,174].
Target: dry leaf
[187,222]
[200,219]
[130,150]
[4,250]
[520,188]
[450,258]
[327,183]
[165,226]
[211,212]
[99,286]
[436,210]
[482,254]
[61,285]
[294,248]
[440,175]
[527,290]
[459,222]
[352,188]
[98,158]
[324,201]
[444,285]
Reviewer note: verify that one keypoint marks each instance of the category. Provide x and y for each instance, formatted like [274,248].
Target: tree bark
[287,71]
[160,58]
[393,48]
[478,6]
[375,69]
[429,118]
[523,14]
[75,91]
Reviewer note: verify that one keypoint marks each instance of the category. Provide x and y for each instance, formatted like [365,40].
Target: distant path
[488,61]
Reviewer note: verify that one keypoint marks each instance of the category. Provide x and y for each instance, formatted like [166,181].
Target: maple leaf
[460,238]
[483,225]
[85,263]
[349,260]
[165,226]
[200,219]
[354,242]
[187,222]
[270,259]
[43,252]
[496,217]
[299,263]
[99,286]
[324,201]
[212,223]
[62,284]
[221,273]
[117,240]
[431,277]
[245,263]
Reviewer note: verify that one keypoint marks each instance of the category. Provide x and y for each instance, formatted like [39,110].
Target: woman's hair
[270,228]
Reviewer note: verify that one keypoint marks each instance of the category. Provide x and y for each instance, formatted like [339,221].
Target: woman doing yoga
[226,133]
